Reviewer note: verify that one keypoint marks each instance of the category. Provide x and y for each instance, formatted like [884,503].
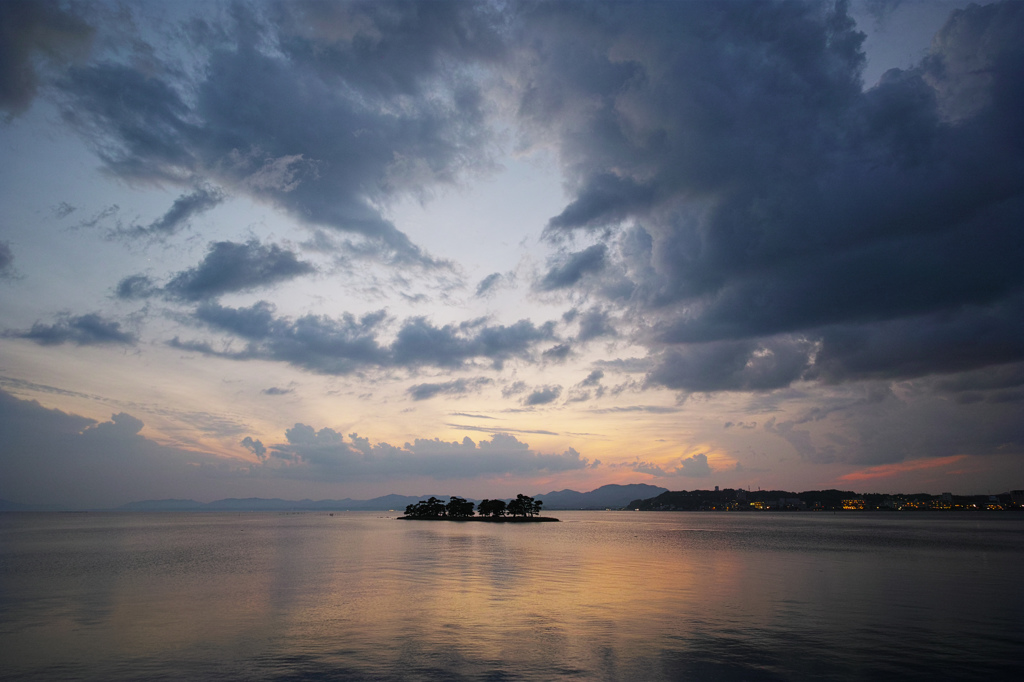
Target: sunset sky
[341,249]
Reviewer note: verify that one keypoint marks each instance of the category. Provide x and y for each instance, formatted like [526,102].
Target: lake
[600,596]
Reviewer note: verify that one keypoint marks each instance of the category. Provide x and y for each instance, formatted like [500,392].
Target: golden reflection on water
[612,595]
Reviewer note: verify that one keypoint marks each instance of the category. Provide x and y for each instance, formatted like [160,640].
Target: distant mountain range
[605,497]
[633,496]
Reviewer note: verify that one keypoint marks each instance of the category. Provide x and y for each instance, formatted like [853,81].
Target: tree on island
[524,506]
[493,508]
[432,507]
[459,508]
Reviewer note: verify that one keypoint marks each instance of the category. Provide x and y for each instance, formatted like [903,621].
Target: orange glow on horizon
[885,470]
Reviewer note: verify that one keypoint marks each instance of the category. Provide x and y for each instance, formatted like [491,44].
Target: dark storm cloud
[573,267]
[970,338]
[868,424]
[756,208]
[230,266]
[327,110]
[769,203]
[732,366]
[454,387]
[29,30]
[184,208]
[348,344]
[82,330]
[991,384]
[604,199]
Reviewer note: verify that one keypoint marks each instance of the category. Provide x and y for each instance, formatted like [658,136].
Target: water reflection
[614,596]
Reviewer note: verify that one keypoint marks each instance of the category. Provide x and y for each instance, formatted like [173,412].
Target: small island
[523,509]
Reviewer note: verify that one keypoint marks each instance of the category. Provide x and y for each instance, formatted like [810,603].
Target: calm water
[600,596]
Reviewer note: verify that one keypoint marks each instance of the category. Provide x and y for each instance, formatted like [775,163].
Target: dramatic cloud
[346,344]
[228,267]
[732,366]
[718,221]
[869,424]
[328,111]
[317,343]
[237,267]
[1002,384]
[30,30]
[82,330]
[780,204]
[573,267]
[746,188]
[969,338]
[326,453]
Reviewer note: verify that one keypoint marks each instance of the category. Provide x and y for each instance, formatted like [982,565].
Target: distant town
[730,499]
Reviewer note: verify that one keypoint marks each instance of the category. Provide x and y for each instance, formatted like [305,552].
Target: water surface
[600,596]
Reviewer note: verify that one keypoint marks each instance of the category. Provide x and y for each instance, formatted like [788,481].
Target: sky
[346,249]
